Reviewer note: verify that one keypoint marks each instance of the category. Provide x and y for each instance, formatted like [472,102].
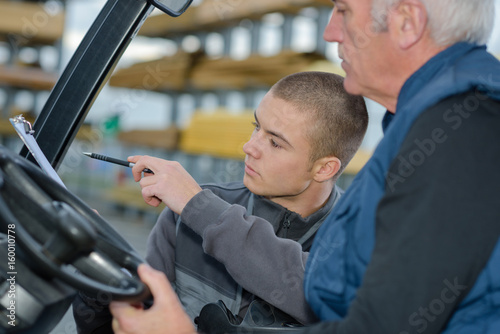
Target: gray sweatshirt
[229,245]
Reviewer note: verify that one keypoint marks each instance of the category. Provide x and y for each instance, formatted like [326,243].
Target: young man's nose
[251,147]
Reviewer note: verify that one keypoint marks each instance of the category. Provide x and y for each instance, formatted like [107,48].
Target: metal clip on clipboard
[25,131]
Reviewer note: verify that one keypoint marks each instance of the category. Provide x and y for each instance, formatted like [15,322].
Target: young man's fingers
[149,196]
[134,158]
[141,162]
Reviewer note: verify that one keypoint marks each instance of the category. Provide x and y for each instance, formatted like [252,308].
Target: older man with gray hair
[413,246]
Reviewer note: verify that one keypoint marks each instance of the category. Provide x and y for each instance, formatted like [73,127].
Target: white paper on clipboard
[25,131]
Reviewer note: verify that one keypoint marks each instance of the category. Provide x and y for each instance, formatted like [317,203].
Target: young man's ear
[326,168]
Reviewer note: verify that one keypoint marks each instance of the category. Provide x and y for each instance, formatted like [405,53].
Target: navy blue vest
[344,244]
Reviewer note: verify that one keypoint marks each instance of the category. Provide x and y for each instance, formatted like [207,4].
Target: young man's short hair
[338,119]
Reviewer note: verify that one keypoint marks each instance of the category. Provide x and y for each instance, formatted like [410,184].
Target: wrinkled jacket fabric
[344,244]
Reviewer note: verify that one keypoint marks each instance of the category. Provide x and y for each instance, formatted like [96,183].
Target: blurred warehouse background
[184,90]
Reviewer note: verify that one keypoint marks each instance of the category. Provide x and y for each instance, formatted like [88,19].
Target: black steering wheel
[62,237]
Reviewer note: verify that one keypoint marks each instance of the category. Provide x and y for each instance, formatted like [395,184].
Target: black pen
[115,161]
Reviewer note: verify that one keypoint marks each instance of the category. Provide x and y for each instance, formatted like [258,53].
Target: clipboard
[25,131]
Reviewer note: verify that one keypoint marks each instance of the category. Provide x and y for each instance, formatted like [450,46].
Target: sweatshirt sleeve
[160,248]
[269,267]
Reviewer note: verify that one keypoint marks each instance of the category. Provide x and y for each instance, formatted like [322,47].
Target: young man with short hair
[228,242]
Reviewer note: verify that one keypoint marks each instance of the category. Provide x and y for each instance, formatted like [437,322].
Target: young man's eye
[274,144]
[256,125]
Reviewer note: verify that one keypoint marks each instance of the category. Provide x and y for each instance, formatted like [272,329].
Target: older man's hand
[165,316]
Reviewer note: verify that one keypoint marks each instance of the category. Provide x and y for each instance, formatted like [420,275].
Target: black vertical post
[85,75]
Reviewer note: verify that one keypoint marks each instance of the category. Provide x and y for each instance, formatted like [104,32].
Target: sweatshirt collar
[274,213]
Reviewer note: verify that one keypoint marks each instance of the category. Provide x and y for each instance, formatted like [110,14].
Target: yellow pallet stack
[220,133]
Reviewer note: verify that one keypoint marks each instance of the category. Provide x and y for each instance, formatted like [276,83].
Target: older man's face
[366,54]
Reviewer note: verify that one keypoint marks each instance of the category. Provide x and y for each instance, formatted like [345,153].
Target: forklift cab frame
[52,244]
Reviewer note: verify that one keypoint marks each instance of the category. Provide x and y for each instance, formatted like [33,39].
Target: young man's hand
[170,183]
[165,316]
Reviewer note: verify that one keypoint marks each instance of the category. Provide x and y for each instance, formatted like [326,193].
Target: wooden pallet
[167,139]
[255,71]
[167,73]
[211,15]
[85,132]
[220,134]
[25,23]
[186,71]
[222,13]
[27,77]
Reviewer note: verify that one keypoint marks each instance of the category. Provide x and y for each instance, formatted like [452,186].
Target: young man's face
[277,155]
